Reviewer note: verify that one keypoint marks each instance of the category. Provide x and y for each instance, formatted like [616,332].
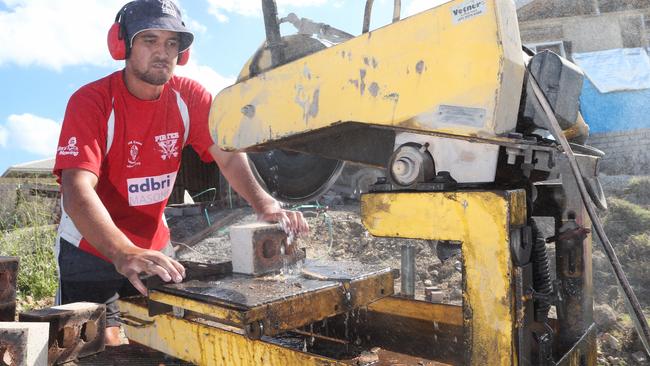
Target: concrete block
[76,330]
[261,248]
[8,275]
[23,344]
[433,294]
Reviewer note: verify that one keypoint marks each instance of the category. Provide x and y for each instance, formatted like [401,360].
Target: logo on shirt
[150,190]
[168,145]
[71,149]
[134,154]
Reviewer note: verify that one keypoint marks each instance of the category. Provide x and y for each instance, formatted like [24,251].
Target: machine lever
[397,10]
[640,322]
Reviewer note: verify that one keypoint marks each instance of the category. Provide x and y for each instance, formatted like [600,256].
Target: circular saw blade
[293,177]
[290,177]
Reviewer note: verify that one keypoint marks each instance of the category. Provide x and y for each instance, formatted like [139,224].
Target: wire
[320,209]
[194,250]
[214,197]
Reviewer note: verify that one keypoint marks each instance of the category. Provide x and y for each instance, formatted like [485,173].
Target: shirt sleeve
[199,109]
[83,134]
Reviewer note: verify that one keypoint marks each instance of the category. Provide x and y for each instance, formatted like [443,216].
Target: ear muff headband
[183,57]
[118,44]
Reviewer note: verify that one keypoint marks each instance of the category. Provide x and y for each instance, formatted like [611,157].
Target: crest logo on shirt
[70,149]
[134,154]
[168,145]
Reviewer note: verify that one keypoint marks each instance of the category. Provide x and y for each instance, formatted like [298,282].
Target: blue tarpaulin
[625,70]
[617,69]
[617,111]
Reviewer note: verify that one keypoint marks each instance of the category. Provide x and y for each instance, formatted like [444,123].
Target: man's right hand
[136,261]
[93,221]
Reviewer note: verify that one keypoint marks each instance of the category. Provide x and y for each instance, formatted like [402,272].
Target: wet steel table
[274,304]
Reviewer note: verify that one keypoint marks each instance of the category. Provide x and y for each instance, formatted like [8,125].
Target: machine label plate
[468,10]
[465,116]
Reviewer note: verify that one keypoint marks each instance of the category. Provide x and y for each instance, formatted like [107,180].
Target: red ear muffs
[183,57]
[116,44]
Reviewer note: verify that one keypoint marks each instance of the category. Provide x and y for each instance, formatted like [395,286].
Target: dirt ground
[337,234]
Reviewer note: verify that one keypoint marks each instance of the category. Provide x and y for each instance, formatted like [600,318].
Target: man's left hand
[292,221]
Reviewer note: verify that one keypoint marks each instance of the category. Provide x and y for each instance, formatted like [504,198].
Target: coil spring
[541,277]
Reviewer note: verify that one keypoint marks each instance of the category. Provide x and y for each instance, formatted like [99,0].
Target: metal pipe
[366,16]
[634,307]
[272,27]
[408,271]
[397,10]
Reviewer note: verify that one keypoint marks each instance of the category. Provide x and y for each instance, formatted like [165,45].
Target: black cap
[142,15]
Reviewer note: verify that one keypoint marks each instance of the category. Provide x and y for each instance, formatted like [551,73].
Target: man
[118,156]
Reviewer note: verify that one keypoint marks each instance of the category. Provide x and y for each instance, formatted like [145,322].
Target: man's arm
[93,221]
[234,166]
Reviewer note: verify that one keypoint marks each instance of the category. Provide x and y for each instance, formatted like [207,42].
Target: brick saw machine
[478,139]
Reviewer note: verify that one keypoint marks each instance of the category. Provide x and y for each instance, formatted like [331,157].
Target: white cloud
[417,6]
[196,27]
[59,33]
[208,77]
[3,136]
[222,8]
[55,34]
[30,133]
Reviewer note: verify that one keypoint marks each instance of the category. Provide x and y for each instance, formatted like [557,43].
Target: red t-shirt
[134,147]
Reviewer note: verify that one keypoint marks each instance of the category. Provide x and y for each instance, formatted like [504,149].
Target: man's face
[153,56]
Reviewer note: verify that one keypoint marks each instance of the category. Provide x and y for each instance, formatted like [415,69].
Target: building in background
[609,39]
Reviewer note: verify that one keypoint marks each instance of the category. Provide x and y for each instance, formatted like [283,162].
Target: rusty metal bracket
[8,276]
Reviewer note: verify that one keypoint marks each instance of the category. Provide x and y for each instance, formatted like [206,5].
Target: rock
[604,317]
[428,283]
[368,358]
[613,360]
[600,261]
[612,342]
[639,357]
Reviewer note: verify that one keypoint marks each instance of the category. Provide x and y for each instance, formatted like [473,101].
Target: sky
[52,48]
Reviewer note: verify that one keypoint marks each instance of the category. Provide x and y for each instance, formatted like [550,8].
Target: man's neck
[141,89]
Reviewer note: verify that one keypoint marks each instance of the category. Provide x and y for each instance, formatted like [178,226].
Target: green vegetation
[639,191]
[627,224]
[624,219]
[28,233]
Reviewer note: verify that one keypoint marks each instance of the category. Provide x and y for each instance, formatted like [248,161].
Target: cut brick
[76,330]
[23,343]
[261,248]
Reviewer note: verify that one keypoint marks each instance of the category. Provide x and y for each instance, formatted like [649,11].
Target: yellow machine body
[481,221]
[484,329]
[434,72]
